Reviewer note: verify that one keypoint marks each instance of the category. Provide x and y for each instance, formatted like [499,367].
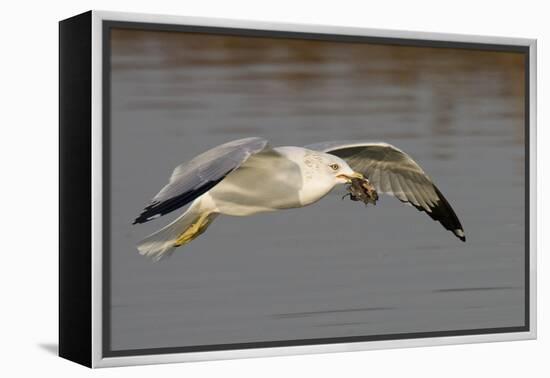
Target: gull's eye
[335,167]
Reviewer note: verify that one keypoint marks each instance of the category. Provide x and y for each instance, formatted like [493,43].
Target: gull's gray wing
[194,178]
[394,172]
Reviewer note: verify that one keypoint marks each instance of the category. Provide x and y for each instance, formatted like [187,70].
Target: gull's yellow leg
[197,228]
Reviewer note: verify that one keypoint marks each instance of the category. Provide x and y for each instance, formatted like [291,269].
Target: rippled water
[335,268]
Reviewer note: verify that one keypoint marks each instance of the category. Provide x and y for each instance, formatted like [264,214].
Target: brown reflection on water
[302,77]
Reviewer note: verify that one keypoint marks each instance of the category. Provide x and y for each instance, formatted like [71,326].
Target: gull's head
[339,169]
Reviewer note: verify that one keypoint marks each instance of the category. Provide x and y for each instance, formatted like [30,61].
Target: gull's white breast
[283,178]
[317,182]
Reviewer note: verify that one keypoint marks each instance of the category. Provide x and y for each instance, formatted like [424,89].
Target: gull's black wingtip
[141,219]
[459,233]
[149,213]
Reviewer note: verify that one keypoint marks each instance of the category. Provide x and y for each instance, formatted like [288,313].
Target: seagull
[248,176]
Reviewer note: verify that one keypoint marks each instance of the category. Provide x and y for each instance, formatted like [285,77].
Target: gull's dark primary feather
[157,209]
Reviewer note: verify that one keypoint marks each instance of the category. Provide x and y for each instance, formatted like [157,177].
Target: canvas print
[285,190]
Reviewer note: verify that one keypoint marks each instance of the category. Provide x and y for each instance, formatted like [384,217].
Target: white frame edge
[97,358]
[97,186]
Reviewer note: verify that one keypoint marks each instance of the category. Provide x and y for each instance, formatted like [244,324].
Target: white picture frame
[83,340]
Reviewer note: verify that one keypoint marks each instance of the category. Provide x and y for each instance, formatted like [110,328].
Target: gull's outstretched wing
[394,172]
[194,178]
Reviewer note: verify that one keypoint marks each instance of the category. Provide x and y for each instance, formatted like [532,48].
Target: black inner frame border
[108,25]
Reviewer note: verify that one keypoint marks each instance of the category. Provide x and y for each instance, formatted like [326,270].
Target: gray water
[335,268]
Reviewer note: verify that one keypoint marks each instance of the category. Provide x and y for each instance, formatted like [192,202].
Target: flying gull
[248,176]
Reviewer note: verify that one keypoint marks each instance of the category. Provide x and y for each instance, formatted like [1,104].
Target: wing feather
[393,172]
[397,190]
[385,183]
[194,178]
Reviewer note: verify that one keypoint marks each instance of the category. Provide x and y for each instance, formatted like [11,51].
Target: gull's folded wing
[194,178]
[394,172]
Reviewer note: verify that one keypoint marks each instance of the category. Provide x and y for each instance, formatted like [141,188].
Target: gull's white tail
[181,231]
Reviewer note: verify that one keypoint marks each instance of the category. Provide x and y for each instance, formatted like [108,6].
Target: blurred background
[335,268]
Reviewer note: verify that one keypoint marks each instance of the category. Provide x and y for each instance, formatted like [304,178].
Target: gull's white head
[338,169]
[321,172]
